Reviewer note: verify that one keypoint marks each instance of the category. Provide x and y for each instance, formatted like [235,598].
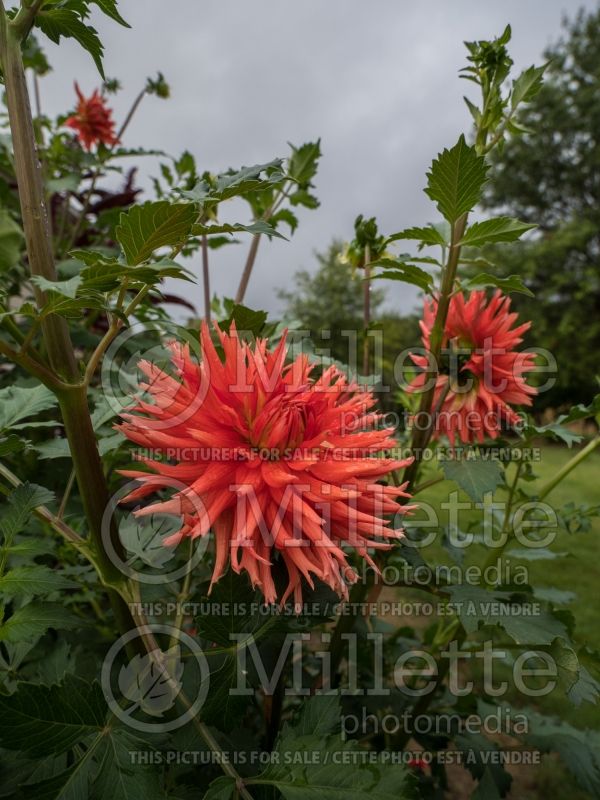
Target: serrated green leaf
[299,774]
[456,179]
[43,720]
[35,580]
[146,228]
[427,235]
[33,620]
[237,183]
[476,477]
[117,778]
[66,288]
[397,270]
[71,784]
[259,226]
[21,504]
[478,607]
[512,283]
[578,749]
[65,22]
[527,85]
[499,229]
[109,7]
[18,403]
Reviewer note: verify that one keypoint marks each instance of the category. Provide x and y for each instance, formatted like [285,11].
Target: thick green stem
[31,193]
[90,478]
[424,418]
[72,394]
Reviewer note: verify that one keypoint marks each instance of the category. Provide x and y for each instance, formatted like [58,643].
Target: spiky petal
[283,463]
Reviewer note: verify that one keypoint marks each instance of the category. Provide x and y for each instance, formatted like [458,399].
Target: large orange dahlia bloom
[92,120]
[481,374]
[283,464]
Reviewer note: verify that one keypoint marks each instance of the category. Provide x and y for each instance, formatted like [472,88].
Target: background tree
[330,301]
[551,176]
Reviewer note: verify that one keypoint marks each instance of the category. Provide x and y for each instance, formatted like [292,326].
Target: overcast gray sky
[376,81]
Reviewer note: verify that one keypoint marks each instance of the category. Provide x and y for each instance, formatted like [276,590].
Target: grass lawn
[577,572]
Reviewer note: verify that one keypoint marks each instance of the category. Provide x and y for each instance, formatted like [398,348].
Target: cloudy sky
[376,81]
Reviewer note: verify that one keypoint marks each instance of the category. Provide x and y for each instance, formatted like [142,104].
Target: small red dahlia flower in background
[282,463]
[92,120]
[481,375]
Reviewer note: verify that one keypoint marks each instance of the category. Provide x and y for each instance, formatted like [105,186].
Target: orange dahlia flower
[480,375]
[92,120]
[284,465]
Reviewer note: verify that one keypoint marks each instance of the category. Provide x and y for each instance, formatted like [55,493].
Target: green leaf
[486,788]
[482,763]
[109,7]
[580,686]
[477,608]
[259,226]
[145,228]
[59,22]
[247,320]
[302,165]
[397,270]
[117,778]
[43,720]
[513,283]
[302,168]
[18,403]
[259,177]
[106,276]
[71,784]
[32,621]
[527,85]
[220,789]
[298,775]
[578,749]
[12,241]
[499,229]
[427,235]
[65,288]
[456,179]
[21,504]
[557,429]
[32,581]
[475,476]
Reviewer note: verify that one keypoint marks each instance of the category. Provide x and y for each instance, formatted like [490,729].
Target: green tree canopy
[551,177]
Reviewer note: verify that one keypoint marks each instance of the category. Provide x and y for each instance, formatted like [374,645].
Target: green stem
[568,467]
[366,309]
[252,252]
[496,553]
[206,278]
[155,652]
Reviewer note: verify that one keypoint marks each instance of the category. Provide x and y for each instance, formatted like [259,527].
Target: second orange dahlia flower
[481,375]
